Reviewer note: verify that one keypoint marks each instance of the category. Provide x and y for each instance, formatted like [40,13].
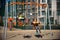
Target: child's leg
[38,29]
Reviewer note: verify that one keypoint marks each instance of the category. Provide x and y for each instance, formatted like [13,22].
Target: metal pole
[49,22]
[49,19]
[6,16]
[44,23]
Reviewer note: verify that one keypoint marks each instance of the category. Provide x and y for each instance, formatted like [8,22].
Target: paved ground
[1,31]
[18,34]
[0,37]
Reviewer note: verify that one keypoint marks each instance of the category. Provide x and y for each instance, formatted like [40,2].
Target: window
[28,15]
[38,7]
[58,12]
[52,20]
[38,1]
[41,19]
[18,0]
[25,6]
[34,14]
[43,7]
[43,13]
[28,0]
[20,6]
[58,5]
[50,13]
[24,0]
[29,6]
[29,10]
[58,0]
[39,13]
[49,5]
[33,6]
[8,6]
[33,9]
[44,1]
[33,0]
[21,0]
[49,1]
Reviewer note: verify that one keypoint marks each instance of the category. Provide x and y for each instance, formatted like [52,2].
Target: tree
[2,7]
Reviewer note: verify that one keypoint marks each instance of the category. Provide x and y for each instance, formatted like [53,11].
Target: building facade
[35,11]
[58,12]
